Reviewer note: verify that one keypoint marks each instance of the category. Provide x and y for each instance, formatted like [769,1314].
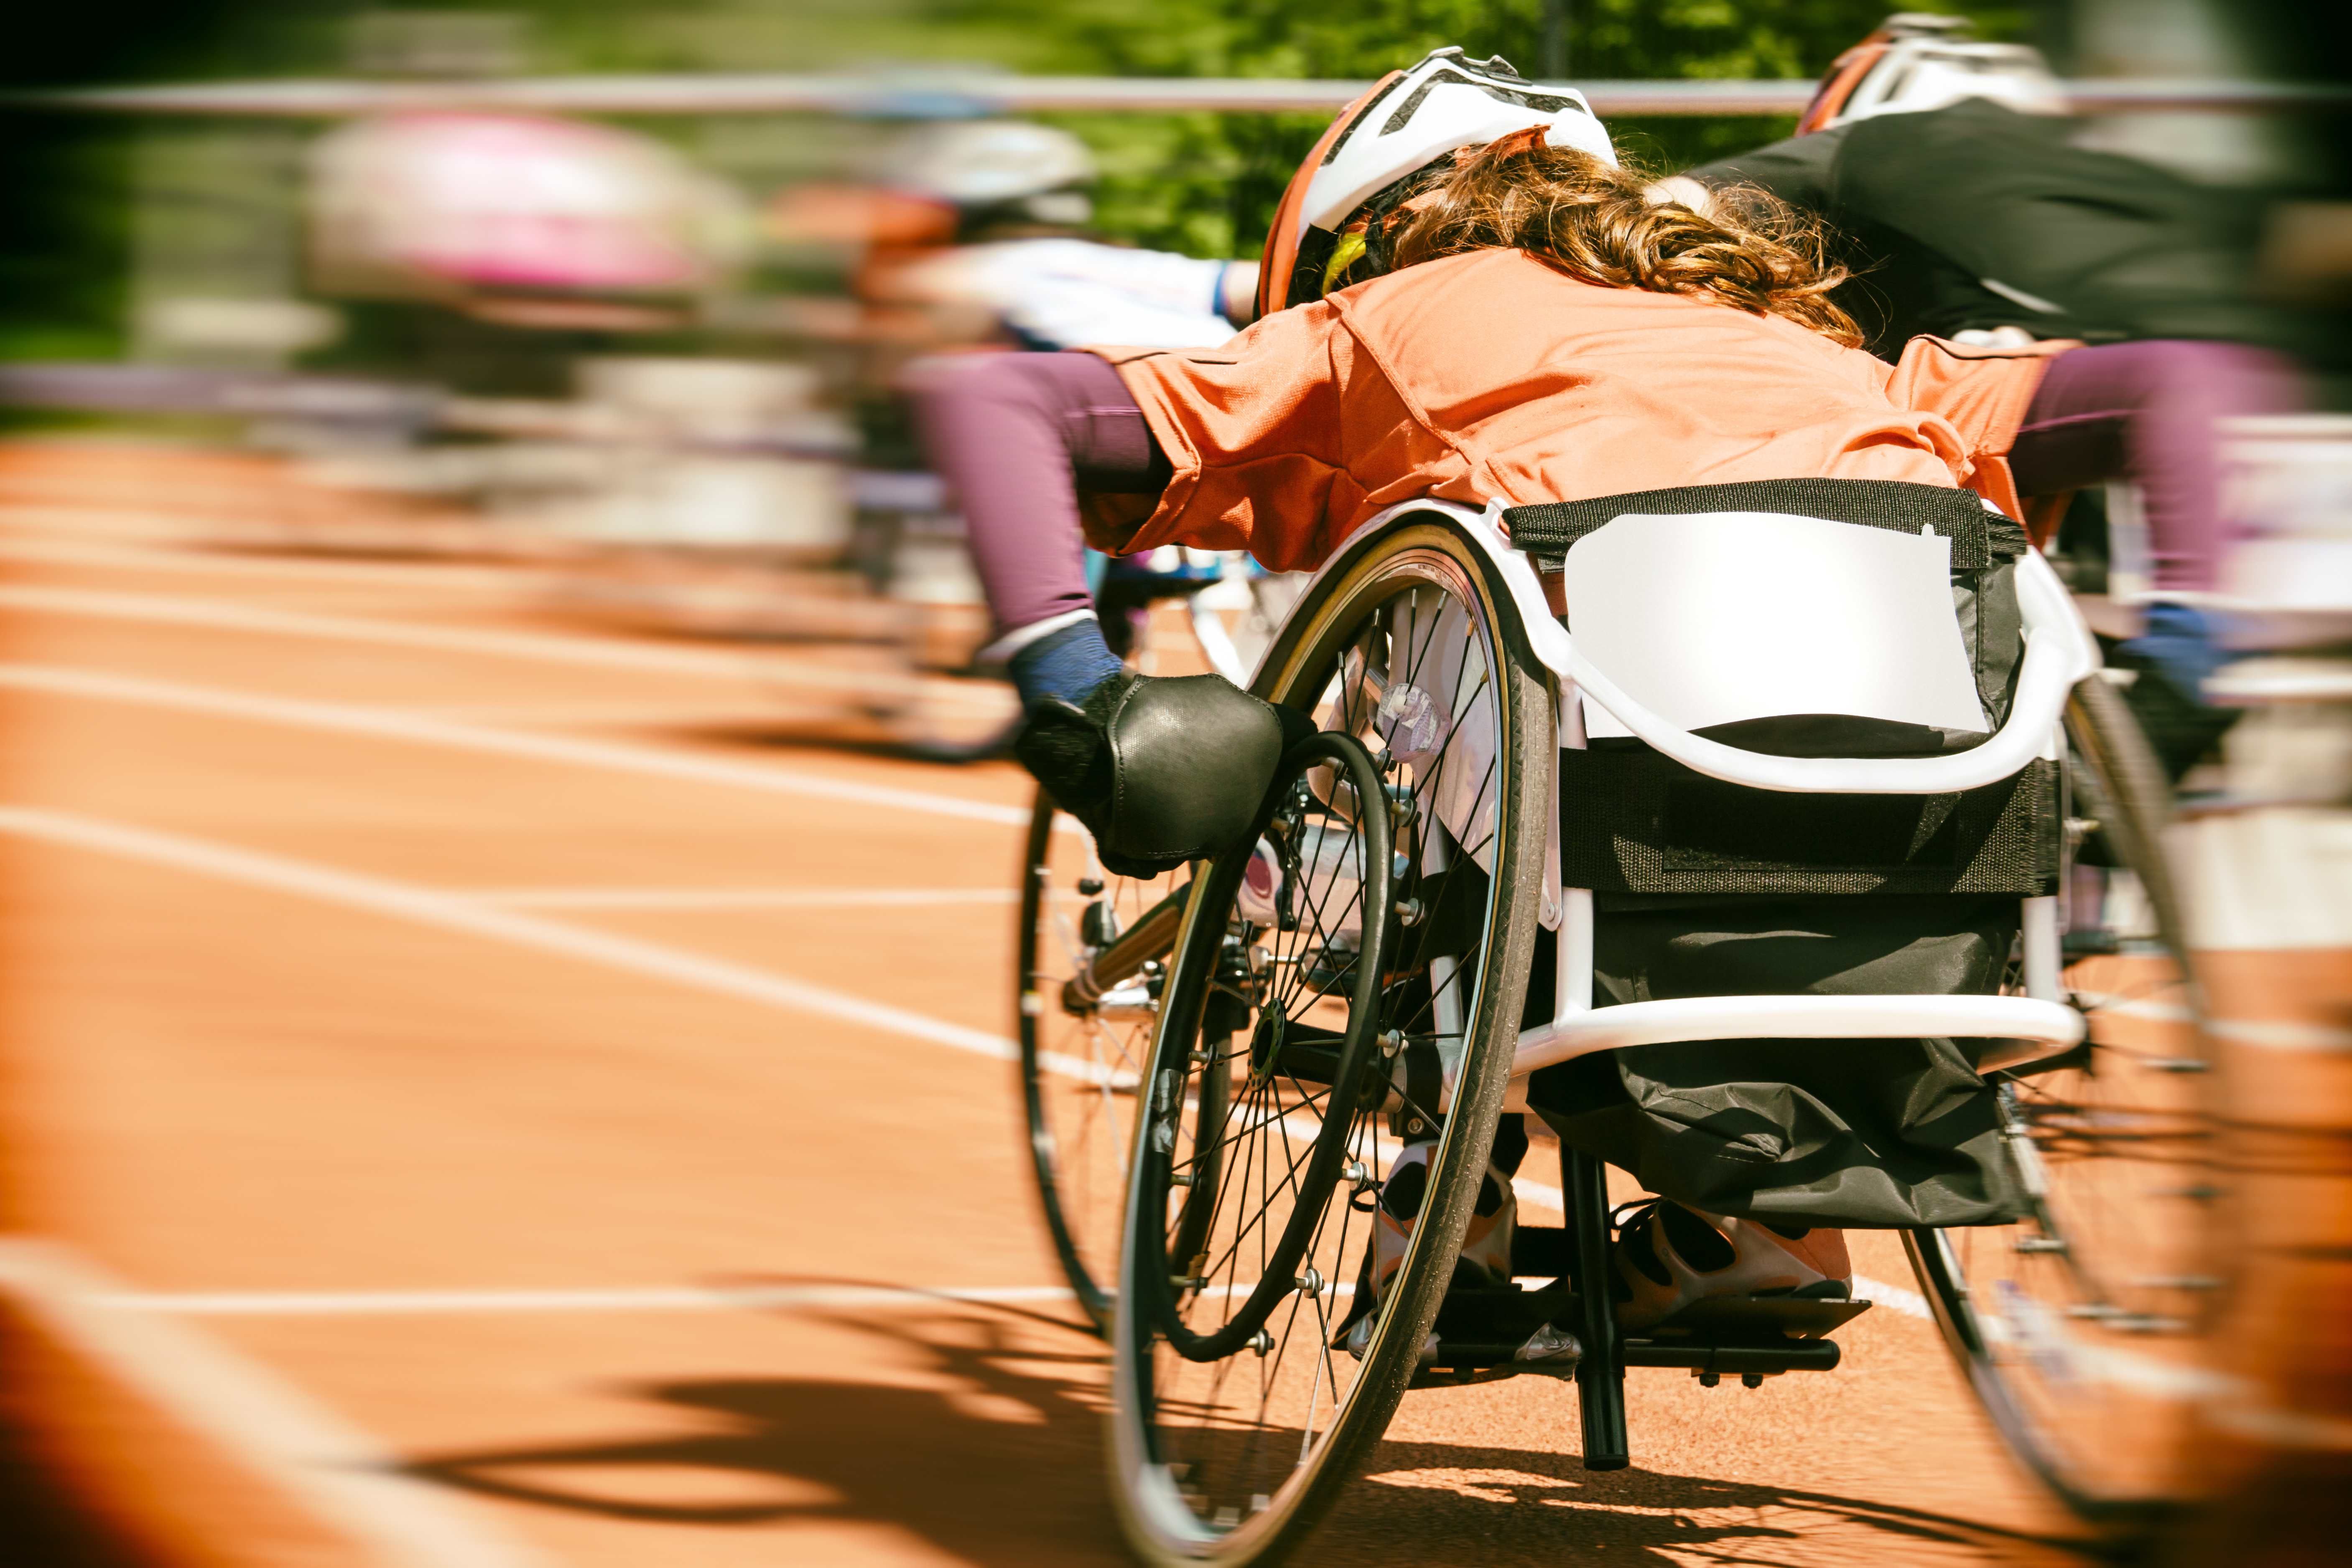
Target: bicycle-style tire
[1080,1065]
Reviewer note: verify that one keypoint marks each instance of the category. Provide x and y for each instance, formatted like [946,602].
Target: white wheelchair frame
[2058,653]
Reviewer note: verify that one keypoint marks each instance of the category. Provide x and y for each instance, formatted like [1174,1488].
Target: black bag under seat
[1852,1132]
[1635,820]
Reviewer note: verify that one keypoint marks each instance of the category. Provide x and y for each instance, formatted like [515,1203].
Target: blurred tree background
[1207,184]
[1202,182]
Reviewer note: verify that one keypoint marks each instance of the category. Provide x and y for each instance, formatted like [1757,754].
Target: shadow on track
[995,1460]
[846,738]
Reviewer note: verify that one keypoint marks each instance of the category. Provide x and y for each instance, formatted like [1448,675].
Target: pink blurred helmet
[434,203]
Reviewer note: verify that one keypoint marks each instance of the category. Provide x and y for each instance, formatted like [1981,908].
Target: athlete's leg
[1018,436]
[1161,771]
[2147,410]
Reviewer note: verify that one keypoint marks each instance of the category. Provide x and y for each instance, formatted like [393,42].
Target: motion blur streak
[382,726]
[426,908]
[506,892]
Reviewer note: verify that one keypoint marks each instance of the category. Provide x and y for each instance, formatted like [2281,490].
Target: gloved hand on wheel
[1162,770]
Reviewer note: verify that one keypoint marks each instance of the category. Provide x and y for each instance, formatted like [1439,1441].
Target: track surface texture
[495,1092]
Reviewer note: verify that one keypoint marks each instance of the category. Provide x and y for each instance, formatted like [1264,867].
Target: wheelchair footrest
[1483,1336]
[1748,1355]
[1734,1317]
[1746,1337]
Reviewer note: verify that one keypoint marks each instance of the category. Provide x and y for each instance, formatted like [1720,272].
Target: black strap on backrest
[1979,537]
[1634,820]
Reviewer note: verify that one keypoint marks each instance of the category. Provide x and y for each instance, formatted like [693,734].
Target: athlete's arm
[1799,170]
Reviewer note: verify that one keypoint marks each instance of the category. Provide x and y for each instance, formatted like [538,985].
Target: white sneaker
[1669,1255]
[1485,1256]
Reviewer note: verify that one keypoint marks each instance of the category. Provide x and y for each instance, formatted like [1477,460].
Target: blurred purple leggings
[1018,436]
[2145,412]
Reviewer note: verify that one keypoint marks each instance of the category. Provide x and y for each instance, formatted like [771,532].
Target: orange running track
[486,1092]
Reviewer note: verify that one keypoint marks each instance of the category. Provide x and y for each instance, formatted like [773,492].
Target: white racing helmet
[1915,61]
[981,164]
[1444,102]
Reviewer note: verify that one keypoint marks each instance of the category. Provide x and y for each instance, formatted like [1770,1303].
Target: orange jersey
[1495,374]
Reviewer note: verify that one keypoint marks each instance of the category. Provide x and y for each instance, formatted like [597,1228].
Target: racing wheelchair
[1223,1078]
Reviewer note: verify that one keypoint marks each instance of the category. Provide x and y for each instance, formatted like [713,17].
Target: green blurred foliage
[1205,184]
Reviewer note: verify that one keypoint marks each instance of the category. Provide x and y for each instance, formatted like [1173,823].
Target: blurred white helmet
[984,162]
[1444,102]
[1914,62]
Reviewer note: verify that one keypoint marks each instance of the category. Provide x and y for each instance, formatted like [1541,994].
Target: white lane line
[569,750]
[626,1299]
[335,1471]
[1895,1298]
[2142,1007]
[419,906]
[542,647]
[247,564]
[2267,1034]
[2281,1034]
[741,897]
[2277,1428]
[439,910]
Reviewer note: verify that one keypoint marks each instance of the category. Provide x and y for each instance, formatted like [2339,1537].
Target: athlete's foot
[1160,770]
[1483,1262]
[1669,1256]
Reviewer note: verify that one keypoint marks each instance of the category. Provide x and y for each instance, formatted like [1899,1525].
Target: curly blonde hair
[1615,227]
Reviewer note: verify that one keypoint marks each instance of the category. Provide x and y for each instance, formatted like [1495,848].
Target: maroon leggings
[2145,411]
[1018,436]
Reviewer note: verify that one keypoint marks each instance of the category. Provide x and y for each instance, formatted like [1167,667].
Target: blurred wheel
[2083,1326]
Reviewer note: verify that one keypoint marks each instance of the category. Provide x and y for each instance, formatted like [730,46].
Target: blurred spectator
[498,211]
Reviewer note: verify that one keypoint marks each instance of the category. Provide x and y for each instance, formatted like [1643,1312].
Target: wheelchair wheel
[2082,1327]
[1371,946]
[1084,1033]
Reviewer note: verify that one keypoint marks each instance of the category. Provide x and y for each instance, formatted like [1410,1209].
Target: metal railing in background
[945,94]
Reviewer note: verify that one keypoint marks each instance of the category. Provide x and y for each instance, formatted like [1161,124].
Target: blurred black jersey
[1976,217]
